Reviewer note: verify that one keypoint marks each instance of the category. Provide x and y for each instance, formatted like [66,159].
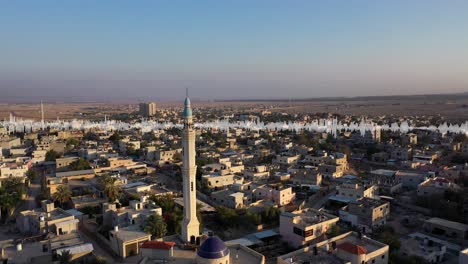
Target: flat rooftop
[350,239]
[448,223]
[309,216]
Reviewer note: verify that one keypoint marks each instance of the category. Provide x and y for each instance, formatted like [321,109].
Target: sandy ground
[451,108]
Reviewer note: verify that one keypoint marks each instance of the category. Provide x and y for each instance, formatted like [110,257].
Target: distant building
[148,109]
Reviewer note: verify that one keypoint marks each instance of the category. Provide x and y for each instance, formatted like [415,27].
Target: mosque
[212,249]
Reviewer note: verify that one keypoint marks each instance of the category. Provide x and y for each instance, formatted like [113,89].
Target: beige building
[147,109]
[352,191]
[217,180]
[349,248]
[257,173]
[63,163]
[126,241]
[366,214]
[46,219]
[300,227]
[135,214]
[230,199]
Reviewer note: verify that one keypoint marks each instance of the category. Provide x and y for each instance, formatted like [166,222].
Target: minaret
[42,115]
[190,224]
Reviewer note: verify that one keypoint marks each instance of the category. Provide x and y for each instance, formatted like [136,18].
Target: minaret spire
[42,115]
[190,224]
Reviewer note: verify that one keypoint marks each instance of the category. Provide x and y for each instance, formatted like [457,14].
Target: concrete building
[300,227]
[62,164]
[366,214]
[427,249]
[349,248]
[410,180]
[147,109]
[126,241]
[217,180]
[257,173]
[352,191]
[434,186]
[46,219]
[447,229]
[135,214]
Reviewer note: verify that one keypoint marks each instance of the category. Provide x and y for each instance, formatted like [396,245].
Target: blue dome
[213,248]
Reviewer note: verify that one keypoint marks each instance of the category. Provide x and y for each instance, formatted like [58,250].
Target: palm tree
[155,226]
[8,201]
[107,182]
[62,195]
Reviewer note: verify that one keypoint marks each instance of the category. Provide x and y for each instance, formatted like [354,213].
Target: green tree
[15,185]
[62,195]
[80,164]
[52,155]
[31,174]
[107,182]
[389,237]
[8,201]
[155,226]
[227,217]
[91,136]
[115,137]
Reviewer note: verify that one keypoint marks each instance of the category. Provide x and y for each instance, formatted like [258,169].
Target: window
[191,186]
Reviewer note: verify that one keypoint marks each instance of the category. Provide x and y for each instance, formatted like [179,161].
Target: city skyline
[273,50]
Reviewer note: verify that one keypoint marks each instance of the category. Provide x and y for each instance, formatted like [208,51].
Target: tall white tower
[190,224]
[42,115]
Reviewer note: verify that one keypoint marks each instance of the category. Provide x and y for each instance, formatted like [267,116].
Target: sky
[245,49]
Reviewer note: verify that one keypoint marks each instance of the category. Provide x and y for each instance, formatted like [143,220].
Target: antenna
[186,92]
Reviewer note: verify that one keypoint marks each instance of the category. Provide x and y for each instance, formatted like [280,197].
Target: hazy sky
[105,50]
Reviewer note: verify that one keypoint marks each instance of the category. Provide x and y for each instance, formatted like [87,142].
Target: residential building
[300,227]
[349,248]
[147,109]
[366,214]
[434,186]
[447,229]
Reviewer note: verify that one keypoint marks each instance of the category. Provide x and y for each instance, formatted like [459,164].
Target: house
[366,214]
[352,191]
[46,219]
[429,250]
[134,214]
[447,229]
[349,248]
[410,180]
[300,227]
[434,186]
[126,241]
